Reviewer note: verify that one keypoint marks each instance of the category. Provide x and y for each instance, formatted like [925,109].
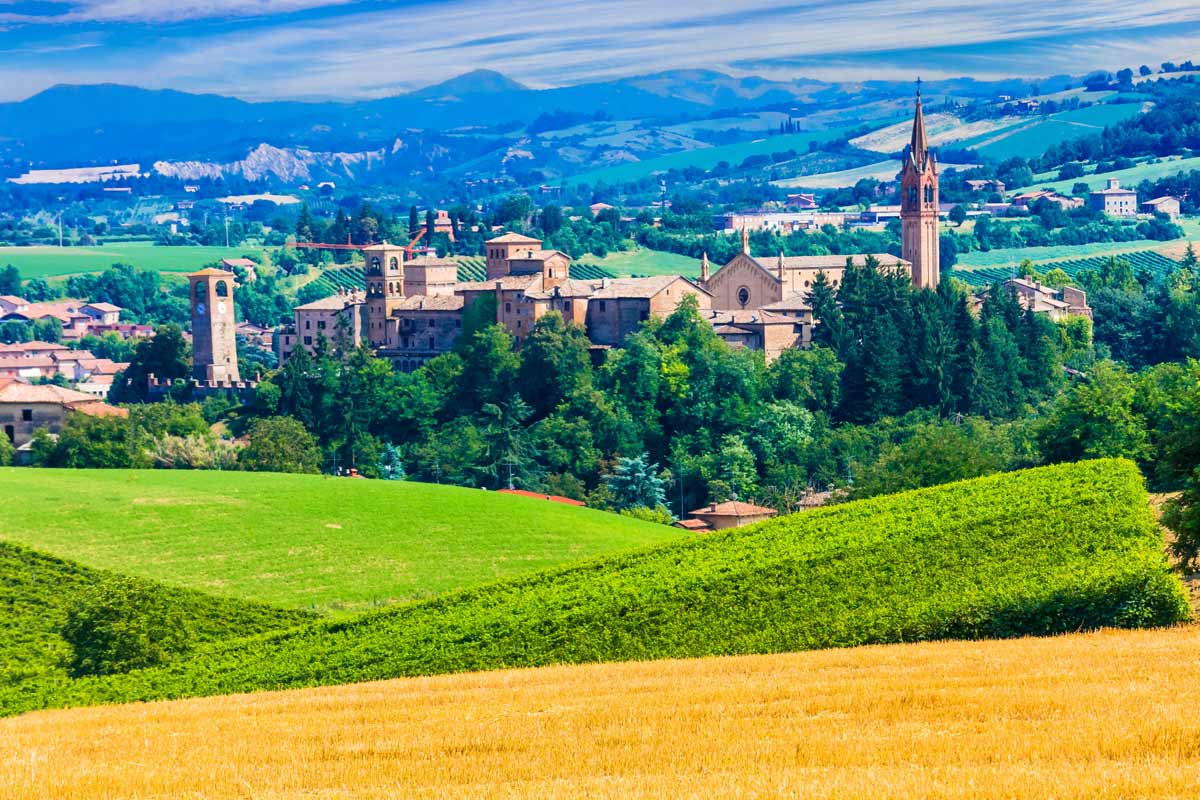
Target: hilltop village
[414,310]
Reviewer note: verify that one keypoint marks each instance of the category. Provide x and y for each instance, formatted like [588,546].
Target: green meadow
[298,541]
[49,262]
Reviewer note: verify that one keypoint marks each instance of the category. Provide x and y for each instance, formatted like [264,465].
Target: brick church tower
[919,206]
[385,288]
[214,328]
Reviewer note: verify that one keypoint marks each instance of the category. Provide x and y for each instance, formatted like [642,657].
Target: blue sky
[307,49]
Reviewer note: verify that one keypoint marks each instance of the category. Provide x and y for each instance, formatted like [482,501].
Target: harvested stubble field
[1100,715]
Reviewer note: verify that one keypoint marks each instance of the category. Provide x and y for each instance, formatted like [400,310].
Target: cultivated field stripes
[1142,261]
[1102,715]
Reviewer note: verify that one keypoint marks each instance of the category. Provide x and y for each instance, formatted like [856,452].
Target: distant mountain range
[446,124]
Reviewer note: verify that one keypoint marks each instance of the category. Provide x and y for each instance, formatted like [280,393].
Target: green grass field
[48,262]
[1051,550]
[329,544]
[1128,177]
[643,261]
[1032,137]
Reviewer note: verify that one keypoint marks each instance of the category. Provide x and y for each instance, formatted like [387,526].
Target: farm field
[1006,257]
[1128,177]
[643,261]
[1041,551]
[299,541]
[1102,715]
[1033,135]
[881,170]
[48,262]
[705,157]
[1142,261]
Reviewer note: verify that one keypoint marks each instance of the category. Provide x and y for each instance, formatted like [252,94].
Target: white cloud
[167,10]
[369,49]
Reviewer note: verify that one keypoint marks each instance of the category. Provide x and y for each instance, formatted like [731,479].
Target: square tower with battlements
[919,207]
[214,326]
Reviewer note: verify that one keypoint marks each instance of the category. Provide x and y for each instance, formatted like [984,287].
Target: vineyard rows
[1143,261]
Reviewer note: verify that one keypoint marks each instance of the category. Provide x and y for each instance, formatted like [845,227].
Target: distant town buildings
[1167,204]
[25,408]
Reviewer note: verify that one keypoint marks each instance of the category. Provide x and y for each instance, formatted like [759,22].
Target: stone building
[214,328]
[1167,204]
[25,408]
[1057,304]
[340,317]
[749,282]
[765,331]
[423,327]
[1114,201]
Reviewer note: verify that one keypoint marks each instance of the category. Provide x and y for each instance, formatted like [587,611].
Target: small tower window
[375,265]
[222,289]
[394,264]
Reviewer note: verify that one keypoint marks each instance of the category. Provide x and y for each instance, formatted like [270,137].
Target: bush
[120,625]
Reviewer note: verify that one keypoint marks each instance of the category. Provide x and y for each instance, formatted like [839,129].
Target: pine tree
[635,484]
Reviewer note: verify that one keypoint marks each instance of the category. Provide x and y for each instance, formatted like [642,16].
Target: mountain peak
[477,81]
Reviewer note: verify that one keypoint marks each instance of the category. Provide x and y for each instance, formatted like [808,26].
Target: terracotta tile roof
[513,238]
[693,525]
[747,317]
[16,392]
[432,302]
[34,346]
[335,302]
[431,261]
[1158,200]
[617,288]
[13,299]
[104,307]
[26,362]
[556,498]
[538,255]
[733,508]
[212,272]
[793,302]
[98,408]
[507,283]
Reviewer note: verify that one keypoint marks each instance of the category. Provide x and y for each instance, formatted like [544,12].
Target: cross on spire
[918,87]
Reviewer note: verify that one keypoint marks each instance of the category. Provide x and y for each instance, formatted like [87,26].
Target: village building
[1027,199]
[341,315]
[730,514]
[1167,204]
[25,408]
[802,201]
[989,185]
[749,282]
[442,223]
[761,330]
[1115,201]
[1057,304]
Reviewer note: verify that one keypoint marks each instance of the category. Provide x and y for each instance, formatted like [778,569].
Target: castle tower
[919,206]
[214,328]
[385,288]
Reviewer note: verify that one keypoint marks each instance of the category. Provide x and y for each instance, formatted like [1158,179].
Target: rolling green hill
[36,590]
[1042,551]
[1032,137]
[46,262]
[1131,177]
[301,541]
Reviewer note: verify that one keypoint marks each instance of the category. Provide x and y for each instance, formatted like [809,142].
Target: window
[603,306]
[308,340]
[222,289]
[27,415]
[928,194]
[743,295]
[321,325]
[394,263]
[375,265]
[431,323]
[308,324]
[912,196]
[508,308]
[430,347]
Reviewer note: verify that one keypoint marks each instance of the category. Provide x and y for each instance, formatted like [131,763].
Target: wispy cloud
[340,48]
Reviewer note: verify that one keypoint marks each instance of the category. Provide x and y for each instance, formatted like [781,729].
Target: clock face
[221,307]
[199,308]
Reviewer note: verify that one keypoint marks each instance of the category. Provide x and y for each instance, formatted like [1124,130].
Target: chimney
[779,266]
[704,267]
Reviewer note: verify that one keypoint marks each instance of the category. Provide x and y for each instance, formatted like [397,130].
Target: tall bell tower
[385,288]
[214,327]
[919,206]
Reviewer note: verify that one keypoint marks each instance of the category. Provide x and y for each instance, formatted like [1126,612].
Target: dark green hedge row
[36,591]
[1043,551]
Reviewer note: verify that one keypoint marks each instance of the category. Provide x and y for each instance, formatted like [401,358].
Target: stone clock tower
[214,341]
[919,206]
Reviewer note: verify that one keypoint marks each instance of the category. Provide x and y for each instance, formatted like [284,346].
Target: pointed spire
[704,267]
[919,146]
[745,240]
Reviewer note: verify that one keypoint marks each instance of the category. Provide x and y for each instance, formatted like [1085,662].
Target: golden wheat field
[1102,715]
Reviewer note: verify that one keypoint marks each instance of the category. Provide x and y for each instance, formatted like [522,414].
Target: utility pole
[226,230]
[60,233]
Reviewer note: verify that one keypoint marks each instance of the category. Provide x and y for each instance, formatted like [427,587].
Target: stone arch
[394,264]
[222,289]
[376,265]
